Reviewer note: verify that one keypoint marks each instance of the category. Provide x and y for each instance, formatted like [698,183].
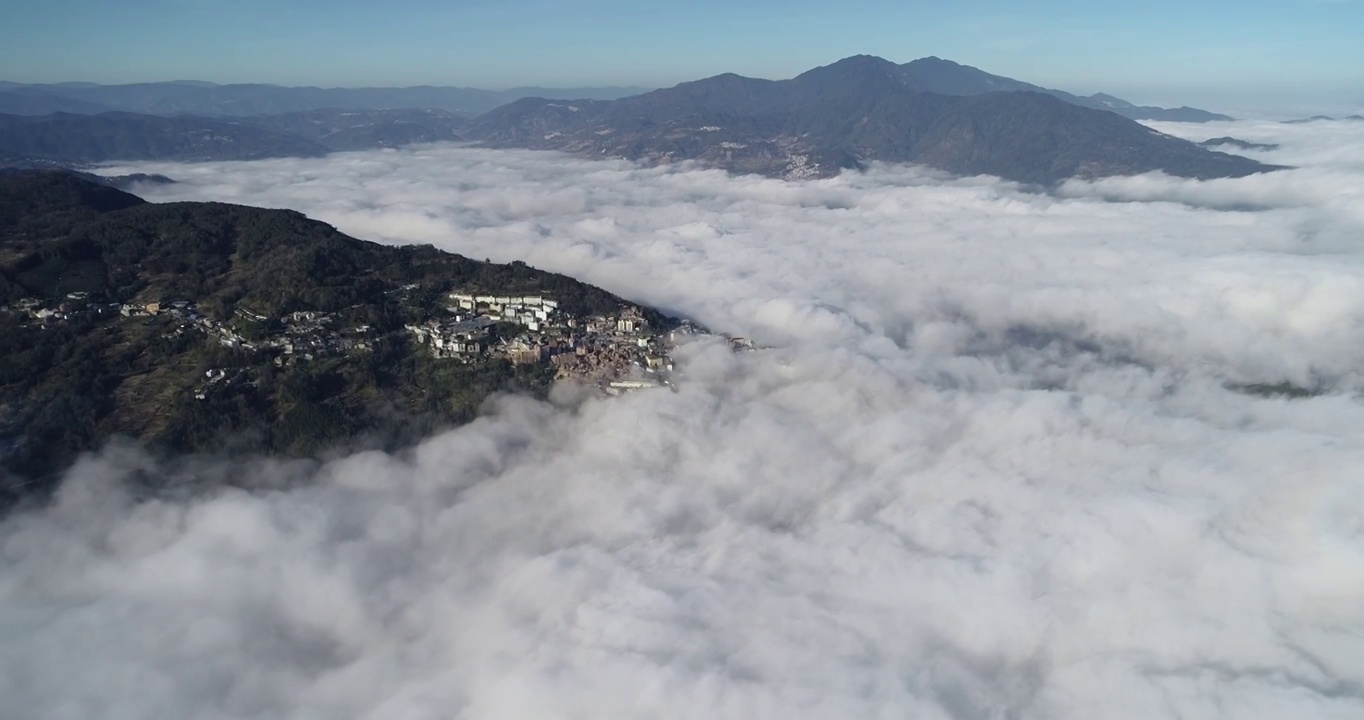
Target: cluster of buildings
[532,311]
[75,306]
[528,329]
[303,335]
[299,336]
[454,338]
[467,332]
[309,334]
[619,351]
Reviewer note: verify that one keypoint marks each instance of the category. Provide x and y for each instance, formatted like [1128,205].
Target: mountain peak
[934,60]
[871,62]
[863,58]
[852,70]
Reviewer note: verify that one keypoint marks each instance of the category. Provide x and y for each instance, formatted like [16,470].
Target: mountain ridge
[927,74]
[78,139]
[843,115]
[245,99]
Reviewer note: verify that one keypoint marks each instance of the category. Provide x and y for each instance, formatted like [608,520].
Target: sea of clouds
[996,462]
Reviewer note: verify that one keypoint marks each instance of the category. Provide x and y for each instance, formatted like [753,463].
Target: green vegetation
[67,387]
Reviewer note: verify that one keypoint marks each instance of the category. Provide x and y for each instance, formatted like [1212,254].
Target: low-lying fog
[998,462]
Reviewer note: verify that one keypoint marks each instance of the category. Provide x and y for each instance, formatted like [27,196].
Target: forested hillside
[207,327]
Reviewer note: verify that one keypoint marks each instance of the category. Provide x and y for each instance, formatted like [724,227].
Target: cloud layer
[990,467]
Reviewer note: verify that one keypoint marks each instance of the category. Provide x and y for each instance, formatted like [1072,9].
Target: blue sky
[1159,51]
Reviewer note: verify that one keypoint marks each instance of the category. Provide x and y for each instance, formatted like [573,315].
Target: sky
[1237,52]
[995,460]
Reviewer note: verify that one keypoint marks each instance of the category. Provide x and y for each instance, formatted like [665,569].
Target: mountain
[187,97]
[77,139]
[207,327]
[183,97]
[74,140]
[24,101]
[857,110]
[340,130]
[936,75]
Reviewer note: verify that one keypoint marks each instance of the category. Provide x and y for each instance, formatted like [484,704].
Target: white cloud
[990,468]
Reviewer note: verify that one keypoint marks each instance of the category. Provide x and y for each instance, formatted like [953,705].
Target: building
[522,351]
[617,387]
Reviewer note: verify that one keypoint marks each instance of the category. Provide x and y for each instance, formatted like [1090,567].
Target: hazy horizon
[1297,104]
[1218,53]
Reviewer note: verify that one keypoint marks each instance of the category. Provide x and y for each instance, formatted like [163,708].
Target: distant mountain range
[859,110]
[339,130]
[80,139]
[187,97]
[1323,118]
[83,139]
[192,97]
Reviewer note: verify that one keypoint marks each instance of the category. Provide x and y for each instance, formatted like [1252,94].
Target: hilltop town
[615,352]
[209,327]
[620,351]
